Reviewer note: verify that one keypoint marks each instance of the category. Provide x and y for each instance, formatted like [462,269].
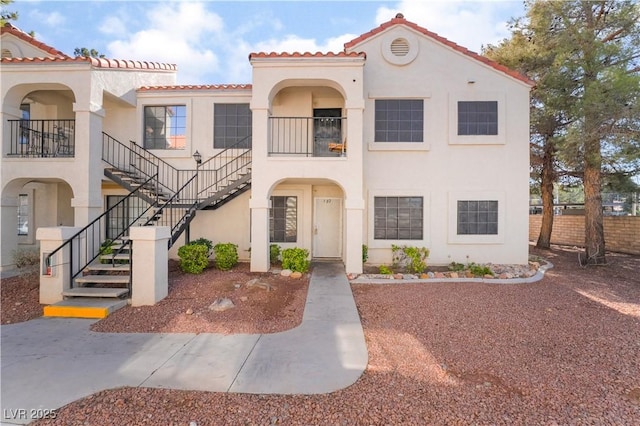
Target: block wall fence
[621,233]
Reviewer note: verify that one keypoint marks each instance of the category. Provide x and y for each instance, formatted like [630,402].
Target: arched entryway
[29,204]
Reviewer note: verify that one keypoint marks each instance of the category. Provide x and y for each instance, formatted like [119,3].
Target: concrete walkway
[47,363]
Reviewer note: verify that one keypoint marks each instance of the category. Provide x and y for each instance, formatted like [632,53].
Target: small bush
[456,267]
[204,242]
[274,253]
[479,270]
[24,258]
[105,249]
[411,258]
[296,259]
[194,258]
[365,253]
[226,255]
[384,269]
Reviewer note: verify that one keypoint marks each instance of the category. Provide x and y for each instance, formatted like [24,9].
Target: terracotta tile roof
[10,29]
[399,20]
[96,62]
[306,55]
[197,87]
[59,57]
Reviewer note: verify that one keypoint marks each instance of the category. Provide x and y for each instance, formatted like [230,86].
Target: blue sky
[210,40]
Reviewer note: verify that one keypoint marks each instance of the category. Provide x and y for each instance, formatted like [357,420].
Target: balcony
[42,138]
[307,136]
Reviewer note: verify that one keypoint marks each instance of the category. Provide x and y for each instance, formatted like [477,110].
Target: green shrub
[479,270]
[296,259]
[384,269]
[413,259]
[26,257]
[194,258]
[205,242]
[274,253]
[226,255]
[456,267]
[365,253]
[105,249]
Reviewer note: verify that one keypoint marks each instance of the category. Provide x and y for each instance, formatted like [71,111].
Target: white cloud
[52,19]
[471,24]
[112,25]
[184,35]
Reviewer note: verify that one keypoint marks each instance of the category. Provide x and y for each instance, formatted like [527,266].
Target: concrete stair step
[104,279]
[95,292]
[85,307]
[110,257]
[118,267]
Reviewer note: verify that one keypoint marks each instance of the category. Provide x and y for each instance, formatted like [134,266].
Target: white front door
[327,227]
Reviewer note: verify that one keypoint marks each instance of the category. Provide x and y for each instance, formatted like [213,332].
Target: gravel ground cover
[564,350]
[271,304]
[19,297]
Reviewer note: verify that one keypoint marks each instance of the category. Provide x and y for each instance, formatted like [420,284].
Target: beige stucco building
[403,138]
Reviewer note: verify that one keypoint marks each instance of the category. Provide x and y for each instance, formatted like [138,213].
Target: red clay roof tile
[198,87]
[400,20]
[59,57]
[10,29]
[306,55]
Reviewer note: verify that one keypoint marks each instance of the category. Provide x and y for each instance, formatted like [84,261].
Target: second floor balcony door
[327,129]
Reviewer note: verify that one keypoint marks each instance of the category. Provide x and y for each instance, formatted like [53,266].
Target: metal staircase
[159,195]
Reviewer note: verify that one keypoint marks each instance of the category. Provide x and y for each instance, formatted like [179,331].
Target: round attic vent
[6,53]
[400,47]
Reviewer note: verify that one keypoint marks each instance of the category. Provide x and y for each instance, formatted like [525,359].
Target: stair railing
[169,177]
[178,211]
[223,168]
[85,245]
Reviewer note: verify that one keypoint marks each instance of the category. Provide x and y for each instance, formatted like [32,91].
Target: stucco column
[259,235]
[87,195]
[8,233]
[57,278]
[354,212]
[149,264]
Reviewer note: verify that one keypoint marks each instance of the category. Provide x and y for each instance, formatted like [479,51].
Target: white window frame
[426,231]
[456,139]
[427,129]
[455,196]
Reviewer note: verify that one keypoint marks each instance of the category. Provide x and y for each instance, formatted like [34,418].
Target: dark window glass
[231,126]
[477,217]
[397,218]
[478,118]
[399,120]
[165,127]
[283,219]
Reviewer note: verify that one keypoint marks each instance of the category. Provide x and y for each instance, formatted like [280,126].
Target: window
[398,218]
[231,126]
[478,118]
[399,120]
[283,219]
[165,127]
[478,217]
[23,214]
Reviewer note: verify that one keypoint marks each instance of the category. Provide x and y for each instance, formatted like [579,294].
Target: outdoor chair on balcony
[61,142]
[338,147]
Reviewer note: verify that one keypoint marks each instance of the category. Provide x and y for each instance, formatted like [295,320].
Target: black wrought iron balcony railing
[42,138]
[308,136]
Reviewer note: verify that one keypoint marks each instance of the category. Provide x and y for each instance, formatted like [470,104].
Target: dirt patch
[19,298]
[276,306]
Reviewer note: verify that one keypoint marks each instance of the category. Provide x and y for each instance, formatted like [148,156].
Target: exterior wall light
[198,157]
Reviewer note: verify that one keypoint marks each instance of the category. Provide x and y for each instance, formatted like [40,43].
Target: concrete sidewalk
[47,363]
